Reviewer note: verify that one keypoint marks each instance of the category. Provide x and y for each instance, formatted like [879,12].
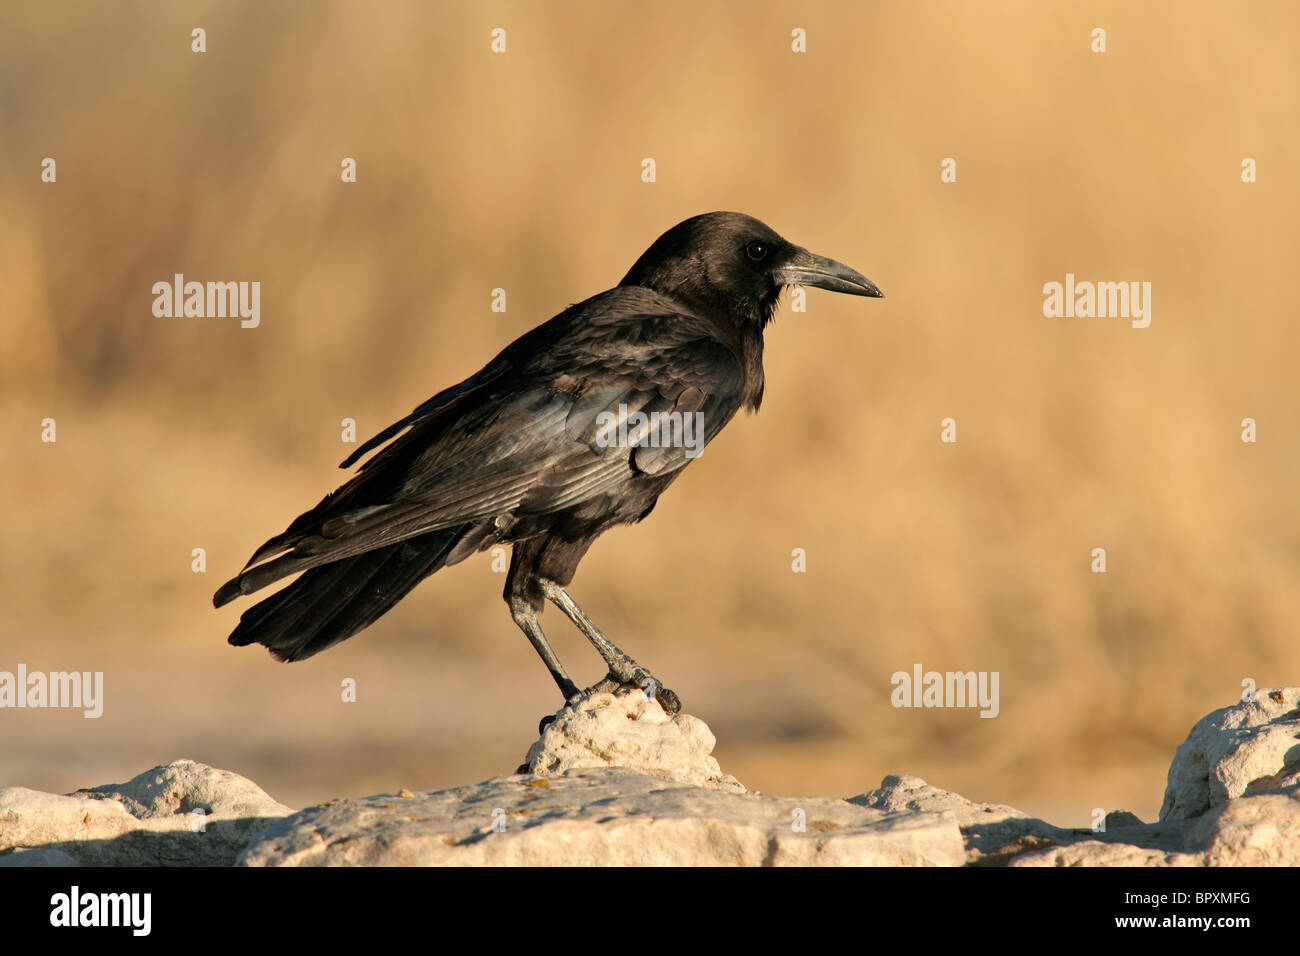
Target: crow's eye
[757,251]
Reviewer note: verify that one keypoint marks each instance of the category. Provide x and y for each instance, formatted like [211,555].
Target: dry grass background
[522,170]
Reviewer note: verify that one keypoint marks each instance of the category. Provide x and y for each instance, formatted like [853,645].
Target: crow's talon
[670,702]
[650,685]
[544,723]
[606,685]
[639,679]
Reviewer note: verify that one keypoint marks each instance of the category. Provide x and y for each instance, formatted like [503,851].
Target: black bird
[544,448]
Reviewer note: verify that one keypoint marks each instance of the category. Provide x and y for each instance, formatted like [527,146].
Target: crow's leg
[526,618]
[622,669]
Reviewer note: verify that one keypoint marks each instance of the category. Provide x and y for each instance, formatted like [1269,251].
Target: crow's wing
[537,431]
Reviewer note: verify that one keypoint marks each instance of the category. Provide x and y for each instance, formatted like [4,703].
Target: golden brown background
[522,170]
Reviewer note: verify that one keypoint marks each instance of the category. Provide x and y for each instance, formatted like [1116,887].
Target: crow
[576,426]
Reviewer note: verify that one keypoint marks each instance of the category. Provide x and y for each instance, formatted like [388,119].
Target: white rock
[605,816]
[629,729]
[1097,853]
[1248,831]
[1254,831]
[615,781]
[1230,749]
[993,832]
[147,821]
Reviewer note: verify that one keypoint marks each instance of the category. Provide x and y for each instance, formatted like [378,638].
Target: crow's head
[733,262]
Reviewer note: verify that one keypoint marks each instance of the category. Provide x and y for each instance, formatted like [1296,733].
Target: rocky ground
[615,781]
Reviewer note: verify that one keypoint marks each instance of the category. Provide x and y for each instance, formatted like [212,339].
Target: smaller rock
[994,833]
[1253,831]
[627,728]
[181,814]
[1097,853]
[1250,747]
[185,786]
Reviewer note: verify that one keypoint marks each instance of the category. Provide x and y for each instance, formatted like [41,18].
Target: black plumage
[523,452]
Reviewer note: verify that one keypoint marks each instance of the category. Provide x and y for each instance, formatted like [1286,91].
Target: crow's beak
[804,268]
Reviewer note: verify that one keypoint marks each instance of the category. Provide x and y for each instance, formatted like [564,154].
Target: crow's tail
[330,603]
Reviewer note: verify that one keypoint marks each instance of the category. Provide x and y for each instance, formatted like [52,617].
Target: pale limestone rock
[1248,831]
[615,781]
[1249,747]
[147,821]
[1097,853]
[1254,831]
[993,833]
[606,816]
[629,729]
[183,787]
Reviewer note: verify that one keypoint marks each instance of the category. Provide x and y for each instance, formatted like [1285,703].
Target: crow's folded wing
[570,414]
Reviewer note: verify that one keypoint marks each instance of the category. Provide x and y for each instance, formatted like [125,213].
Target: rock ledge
[615,781]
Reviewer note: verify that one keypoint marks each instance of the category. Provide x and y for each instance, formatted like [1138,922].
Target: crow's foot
[638,678]
[634,678]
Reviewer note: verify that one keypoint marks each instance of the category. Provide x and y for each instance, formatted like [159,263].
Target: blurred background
[522,170]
